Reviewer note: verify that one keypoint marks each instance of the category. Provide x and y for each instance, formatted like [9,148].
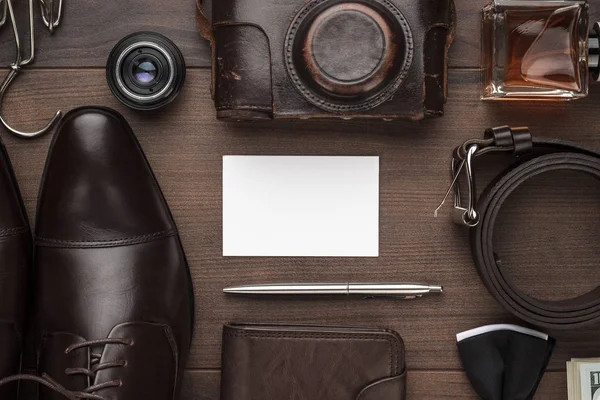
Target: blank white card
[296,206]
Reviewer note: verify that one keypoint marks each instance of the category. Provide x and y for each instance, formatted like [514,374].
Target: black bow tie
[505,362]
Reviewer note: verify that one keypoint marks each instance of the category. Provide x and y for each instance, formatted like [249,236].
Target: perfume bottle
[538,50]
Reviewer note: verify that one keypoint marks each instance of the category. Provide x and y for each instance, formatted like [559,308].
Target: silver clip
[463,216]
[3,12]
[17,66]
[51,13]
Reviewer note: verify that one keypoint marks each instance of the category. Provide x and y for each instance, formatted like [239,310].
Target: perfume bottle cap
[594,52]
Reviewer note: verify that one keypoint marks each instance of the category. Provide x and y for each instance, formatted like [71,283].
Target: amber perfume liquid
[535,50]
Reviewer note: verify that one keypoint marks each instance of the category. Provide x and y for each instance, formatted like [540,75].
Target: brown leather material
[436,70]
[348,56]
[233,90]
[104,191]
[142,365]
[389,388]
[56,343]
[535,157]
[310,362]
[11,345]
[399,61]
[15,265]
[203,22]
[206,31]
[111,275]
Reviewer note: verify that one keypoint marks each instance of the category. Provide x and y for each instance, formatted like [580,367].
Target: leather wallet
[279,362]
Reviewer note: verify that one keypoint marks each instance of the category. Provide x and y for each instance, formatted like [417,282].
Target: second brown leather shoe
[114,303]
[15,263]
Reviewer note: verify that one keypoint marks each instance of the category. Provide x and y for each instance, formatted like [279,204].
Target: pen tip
[437,289]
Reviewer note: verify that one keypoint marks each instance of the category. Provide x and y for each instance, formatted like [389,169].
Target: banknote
[583,379]
[589,375]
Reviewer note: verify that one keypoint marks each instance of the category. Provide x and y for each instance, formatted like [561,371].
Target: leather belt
[535,157]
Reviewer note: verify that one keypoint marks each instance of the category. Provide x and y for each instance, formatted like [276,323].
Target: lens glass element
[145,71]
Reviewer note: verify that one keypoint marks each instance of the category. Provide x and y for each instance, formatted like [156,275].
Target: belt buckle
[500,139]
[463,216]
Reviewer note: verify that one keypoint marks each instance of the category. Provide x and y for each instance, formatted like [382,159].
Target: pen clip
[396,297]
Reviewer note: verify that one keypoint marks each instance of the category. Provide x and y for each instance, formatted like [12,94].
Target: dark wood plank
[422,385]
[91,28]
[185,144]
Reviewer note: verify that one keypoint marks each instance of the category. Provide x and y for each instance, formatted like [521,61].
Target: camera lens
[145,71]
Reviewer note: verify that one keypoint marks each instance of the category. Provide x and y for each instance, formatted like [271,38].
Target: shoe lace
[95,366]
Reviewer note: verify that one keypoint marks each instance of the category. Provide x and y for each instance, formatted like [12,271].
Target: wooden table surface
[548,238]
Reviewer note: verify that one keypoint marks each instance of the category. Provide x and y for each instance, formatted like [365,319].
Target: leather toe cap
[98,186]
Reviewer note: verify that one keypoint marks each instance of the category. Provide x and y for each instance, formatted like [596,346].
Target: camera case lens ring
[152,85]
[347,56]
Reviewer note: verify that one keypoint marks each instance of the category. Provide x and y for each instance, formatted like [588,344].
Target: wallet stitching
[12,231]
[317,336]
[105,243]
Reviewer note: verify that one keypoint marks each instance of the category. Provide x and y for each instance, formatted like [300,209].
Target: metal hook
[466,216]
[16,69]
[51,13]
[3,12]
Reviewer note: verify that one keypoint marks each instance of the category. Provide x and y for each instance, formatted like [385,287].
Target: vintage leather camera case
[328,58]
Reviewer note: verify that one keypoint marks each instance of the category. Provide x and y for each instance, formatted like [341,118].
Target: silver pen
[398,290]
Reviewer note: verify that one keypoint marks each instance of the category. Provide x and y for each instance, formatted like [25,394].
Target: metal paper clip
[15,68]
[464,216]
[3,12]
[51,13]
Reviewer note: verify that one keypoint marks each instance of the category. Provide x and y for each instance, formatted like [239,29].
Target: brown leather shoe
[114,303]
[15,263]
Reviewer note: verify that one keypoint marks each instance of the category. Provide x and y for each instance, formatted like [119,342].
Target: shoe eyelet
[131,343]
